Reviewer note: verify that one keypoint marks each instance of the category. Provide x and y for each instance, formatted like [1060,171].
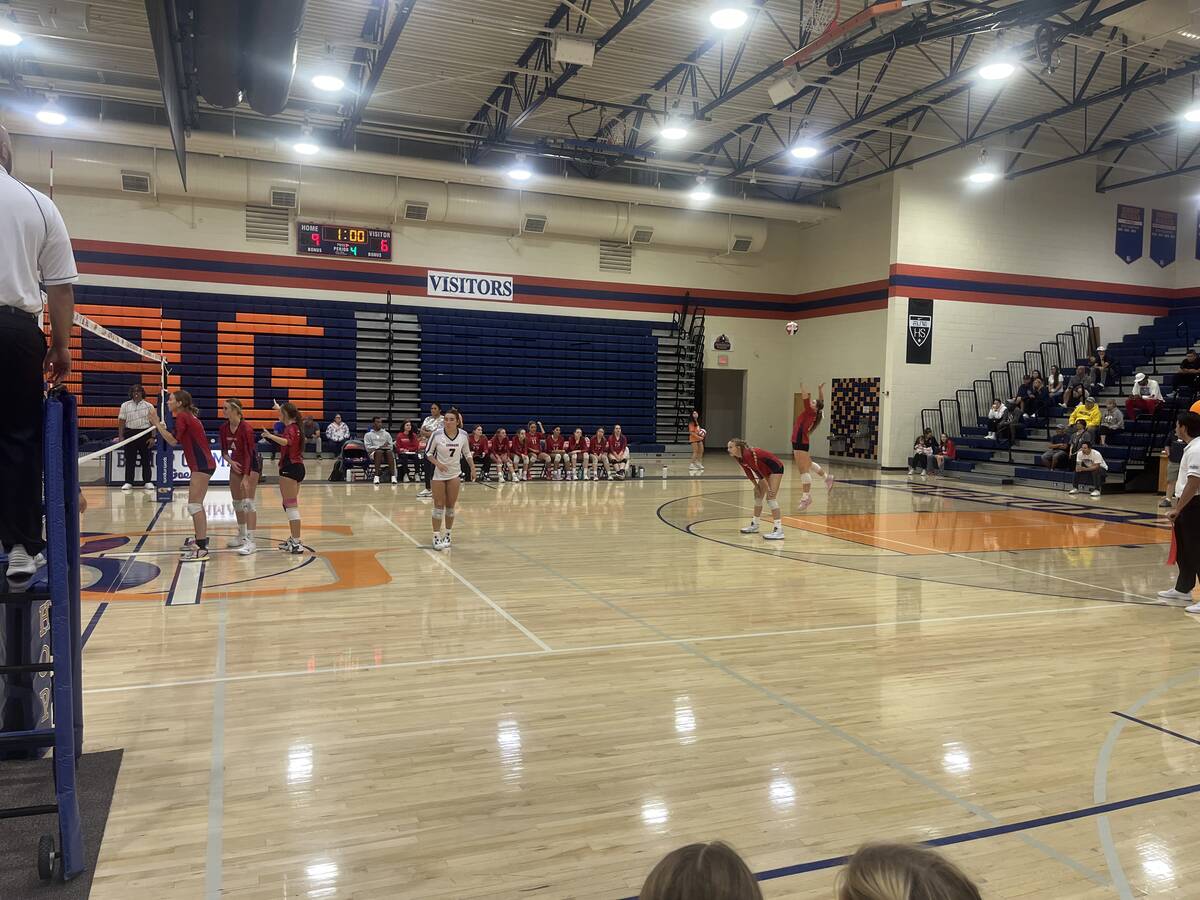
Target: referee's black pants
[1187,547]
[134,451]
[22,352]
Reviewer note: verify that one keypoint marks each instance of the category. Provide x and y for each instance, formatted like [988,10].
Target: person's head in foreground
[903,872]
[711,871]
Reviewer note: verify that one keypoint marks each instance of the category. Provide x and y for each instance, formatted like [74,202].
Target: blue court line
[964,837]
[1182,737]
[91,626]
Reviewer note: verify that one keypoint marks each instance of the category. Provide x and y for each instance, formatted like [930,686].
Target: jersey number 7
[452,449]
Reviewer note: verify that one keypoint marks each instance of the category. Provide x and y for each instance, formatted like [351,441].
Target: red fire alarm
[722,360]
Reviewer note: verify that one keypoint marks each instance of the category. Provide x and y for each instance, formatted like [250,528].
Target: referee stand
[45,680]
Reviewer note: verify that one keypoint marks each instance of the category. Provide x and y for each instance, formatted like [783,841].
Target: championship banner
[1164,231]
[1131,221]
[920,332]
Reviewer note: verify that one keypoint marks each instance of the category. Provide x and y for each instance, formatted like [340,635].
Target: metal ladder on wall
[678,384]
[388,367]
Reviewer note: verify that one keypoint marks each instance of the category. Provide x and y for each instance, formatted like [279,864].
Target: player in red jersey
[765,472]
[555,448]
[502,455]
[408,448]
[189,436]
[536,434]
[576,457]
[599,456]
[520,455]
[618,452]
[481,453]
[240,447]
[806,422]
[291,472]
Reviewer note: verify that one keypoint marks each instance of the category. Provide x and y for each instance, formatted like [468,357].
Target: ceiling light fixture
[996,70]
[50,114]
[701,193]
[306,146]
[1192,114]
[520,171]
[673,130]
[984,174]
[328,81]
[8,37]
[727,18]
[805,150]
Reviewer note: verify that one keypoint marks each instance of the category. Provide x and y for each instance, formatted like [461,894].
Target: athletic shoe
[912,471]
[376,481]
[20,563]
[291,545]
[127,486]
[692,467]
[248,548]
[1173,594]
[446,541]
[750,529]
[189,543]
[1095,493]
[234,543]
[438,543]
[774,535]
[1073,491]
[1194,608]
[425,492]
[699,468]
[828,481]
[805,502]
[1166,503]
[196,554]
[149,485]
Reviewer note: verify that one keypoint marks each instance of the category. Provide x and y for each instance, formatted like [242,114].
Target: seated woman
[501,455]
[1112,420]
[945,452]
[1037,403]
[923,450]
[1055,385]
[408,448]
[521,445]
[995,414]
[481,453]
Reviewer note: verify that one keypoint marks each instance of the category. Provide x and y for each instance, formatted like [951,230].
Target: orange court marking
[919,534]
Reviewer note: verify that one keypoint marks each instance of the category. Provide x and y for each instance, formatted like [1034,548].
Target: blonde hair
[711,871]
[903,872]
[740,444]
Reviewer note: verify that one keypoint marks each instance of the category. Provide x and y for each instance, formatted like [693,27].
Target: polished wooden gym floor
[598,673]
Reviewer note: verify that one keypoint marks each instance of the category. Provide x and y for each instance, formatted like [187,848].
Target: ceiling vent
[135,182]
[282,198]
[741,244]
[416,212]
[616,257]
[266,223]
[534,225]
[642,234]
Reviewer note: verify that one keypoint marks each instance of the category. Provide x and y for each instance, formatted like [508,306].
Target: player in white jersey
[447,448]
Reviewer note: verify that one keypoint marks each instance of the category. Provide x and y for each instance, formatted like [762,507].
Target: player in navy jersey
[765,471]
[240,449]
[189,436]
[291,472]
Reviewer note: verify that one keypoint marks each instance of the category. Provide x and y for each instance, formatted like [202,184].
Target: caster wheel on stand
[46,857]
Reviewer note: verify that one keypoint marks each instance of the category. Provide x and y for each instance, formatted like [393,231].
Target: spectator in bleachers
[378,444]
[481,452]
[408,451]
[1055,385]
[1145,398]
[1112,420]
[946,451]
[1089,469]
[1088,411]
[1104,370]
[711,871]
[1056,453]
[903,872]
[599,454]
[618,452]
[1006,428]
[501,454]
[1022,395]
[1189,372]
[1037,403]
[923,450]
[1080,385]
[311,432]
[336,435]
[995,414]
[1079,435]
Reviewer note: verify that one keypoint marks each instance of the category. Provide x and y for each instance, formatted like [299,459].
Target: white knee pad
[194,508]
[248,506]
[449,512]
[806,478]
[293,513]
[438,512]
[772,504]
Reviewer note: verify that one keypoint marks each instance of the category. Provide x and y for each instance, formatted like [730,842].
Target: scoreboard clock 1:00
[344,240]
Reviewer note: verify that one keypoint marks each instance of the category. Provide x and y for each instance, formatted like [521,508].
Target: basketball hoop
[817,16]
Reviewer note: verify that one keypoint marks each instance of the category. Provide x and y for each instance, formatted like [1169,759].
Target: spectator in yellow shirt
[1089,412]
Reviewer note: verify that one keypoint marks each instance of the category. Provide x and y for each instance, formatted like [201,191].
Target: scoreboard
[352,241]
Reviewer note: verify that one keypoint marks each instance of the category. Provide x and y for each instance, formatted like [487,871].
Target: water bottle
[664,470]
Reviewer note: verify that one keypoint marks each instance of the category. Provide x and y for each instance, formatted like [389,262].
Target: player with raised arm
[809,419]
[189,436]
[447,448]
[765,472]
[291,472]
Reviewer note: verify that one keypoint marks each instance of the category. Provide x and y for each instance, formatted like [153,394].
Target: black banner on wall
[1164,231]
[920,332]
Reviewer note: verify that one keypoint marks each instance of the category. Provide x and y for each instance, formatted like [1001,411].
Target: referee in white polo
[34,247]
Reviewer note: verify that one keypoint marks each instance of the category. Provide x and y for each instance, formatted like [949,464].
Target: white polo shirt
[1189,466]
[33,244]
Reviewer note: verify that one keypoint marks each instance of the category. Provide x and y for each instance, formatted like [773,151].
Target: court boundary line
[894,764]
[987,562]
[216,773]
[591,648]
[437,557]
[964,837]
[1136,720]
